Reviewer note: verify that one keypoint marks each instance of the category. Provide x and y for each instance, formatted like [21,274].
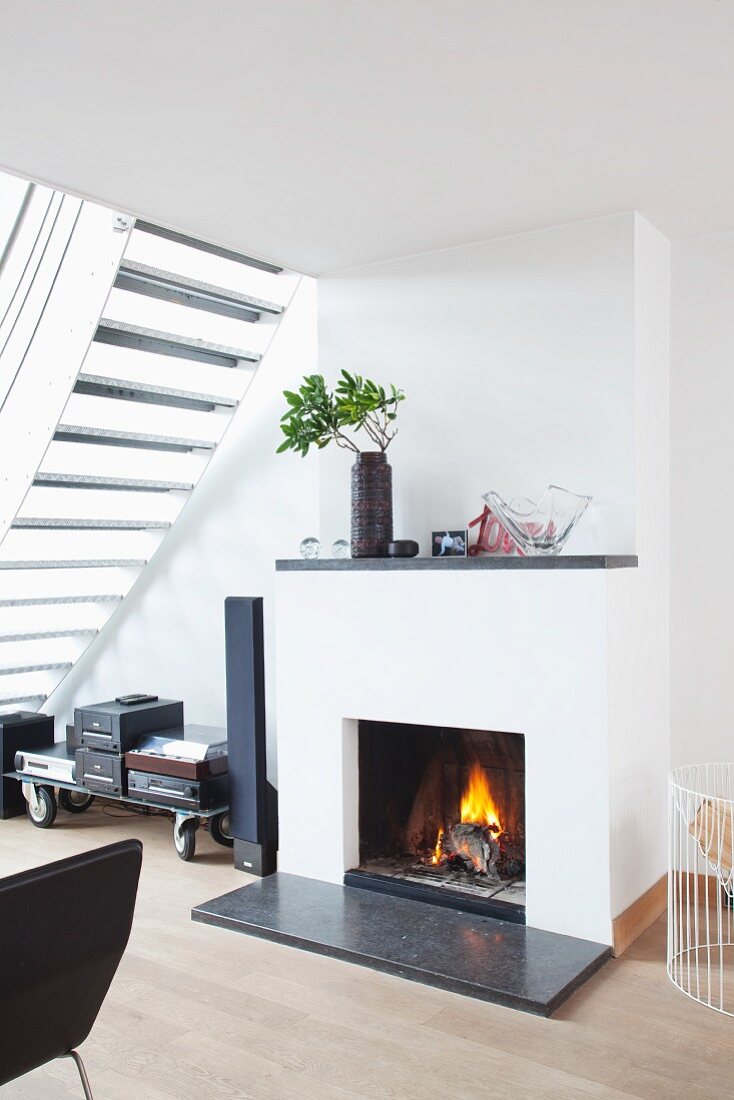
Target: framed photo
[449,544]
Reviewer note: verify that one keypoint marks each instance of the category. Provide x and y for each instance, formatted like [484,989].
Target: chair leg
[82,1073]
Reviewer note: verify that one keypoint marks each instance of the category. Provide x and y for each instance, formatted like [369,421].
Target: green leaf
[316,415]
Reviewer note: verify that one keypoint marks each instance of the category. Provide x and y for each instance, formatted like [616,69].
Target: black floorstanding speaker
[252,801]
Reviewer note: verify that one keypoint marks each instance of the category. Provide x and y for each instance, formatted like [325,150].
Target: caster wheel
[185,841]
[44,816]
[219,830]
[75,802]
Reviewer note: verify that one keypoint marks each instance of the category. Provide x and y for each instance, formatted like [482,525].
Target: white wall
[517,356]
[250,507]
[638,621]
[702,519]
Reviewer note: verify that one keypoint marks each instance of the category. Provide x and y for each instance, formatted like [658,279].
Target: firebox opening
[442,814]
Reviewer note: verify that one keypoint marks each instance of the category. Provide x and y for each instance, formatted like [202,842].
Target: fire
[477,804]
[477,808]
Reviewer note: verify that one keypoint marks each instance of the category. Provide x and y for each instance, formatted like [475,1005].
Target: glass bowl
[541,527]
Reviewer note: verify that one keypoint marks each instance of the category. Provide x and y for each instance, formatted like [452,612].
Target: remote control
[133,700]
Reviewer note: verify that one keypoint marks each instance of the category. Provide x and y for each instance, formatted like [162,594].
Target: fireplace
[442,816]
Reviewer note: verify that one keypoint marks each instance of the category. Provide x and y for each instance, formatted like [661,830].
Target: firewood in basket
[474,845]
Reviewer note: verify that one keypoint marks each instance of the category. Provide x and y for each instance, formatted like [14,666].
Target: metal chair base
[82,1073]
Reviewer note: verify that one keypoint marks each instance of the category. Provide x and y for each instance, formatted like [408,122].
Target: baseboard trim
[638,917]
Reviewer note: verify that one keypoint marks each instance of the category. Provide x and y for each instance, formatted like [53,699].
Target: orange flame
[477,804]
[477,808]
[437,852]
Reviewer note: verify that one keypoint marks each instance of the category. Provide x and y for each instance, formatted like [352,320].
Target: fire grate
[511,891]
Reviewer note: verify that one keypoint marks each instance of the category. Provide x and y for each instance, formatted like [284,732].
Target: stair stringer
[49,338]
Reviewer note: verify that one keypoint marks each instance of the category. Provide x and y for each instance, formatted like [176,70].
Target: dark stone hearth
[507,964]
[562,561]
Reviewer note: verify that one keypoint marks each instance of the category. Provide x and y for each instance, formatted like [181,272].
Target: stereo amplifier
[169,790]
[53,764]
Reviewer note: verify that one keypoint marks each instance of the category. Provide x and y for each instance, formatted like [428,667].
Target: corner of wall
[639,600]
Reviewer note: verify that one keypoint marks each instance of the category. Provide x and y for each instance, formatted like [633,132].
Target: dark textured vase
[371,505]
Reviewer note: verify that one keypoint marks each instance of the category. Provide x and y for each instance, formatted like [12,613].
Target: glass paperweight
[310,549]
[541,527]
[340,549]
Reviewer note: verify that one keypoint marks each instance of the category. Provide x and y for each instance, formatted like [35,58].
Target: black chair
[63,930]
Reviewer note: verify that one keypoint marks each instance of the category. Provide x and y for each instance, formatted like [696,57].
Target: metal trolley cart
[42,805]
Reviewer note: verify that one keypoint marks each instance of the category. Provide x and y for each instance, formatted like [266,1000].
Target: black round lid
[402,548]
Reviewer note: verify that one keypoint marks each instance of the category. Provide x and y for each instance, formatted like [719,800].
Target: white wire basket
[701,884]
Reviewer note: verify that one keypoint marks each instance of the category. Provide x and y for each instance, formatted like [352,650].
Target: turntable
[183,752]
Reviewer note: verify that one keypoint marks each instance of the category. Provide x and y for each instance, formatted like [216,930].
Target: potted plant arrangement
[317,416]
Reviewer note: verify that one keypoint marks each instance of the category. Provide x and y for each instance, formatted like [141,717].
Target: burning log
[477,845]
[474,846]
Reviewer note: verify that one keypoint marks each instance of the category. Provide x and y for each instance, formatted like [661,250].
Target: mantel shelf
[388,565]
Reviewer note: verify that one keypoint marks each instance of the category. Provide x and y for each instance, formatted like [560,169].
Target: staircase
[184,327]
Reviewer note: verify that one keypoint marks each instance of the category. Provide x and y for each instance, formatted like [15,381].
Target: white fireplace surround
[563,656]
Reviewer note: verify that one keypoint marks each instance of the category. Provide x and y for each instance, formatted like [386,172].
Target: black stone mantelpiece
[492,960]
[468,565]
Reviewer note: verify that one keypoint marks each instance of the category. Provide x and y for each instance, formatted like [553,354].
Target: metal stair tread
[44,666]
[9,700]
[81,433]
[75,563]
[97,384]
[205,246]
[68,523]
[99,481]
[45,635]
[44,601]
[111,331]
[162,277]
[125,347]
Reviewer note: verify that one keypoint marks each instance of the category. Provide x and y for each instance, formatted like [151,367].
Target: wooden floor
[196,1012]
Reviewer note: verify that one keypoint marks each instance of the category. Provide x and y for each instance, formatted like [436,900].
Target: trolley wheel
[219,830]
[45,815]
[185,840]
[75,802]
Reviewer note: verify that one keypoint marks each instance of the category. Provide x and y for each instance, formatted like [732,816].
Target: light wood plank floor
[197,1013]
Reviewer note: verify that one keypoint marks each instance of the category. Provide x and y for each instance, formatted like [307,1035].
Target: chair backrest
[63,930]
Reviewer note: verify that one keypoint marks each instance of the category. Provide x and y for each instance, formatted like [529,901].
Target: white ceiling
[329,133]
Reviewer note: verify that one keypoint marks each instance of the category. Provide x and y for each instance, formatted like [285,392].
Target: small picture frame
[449,544]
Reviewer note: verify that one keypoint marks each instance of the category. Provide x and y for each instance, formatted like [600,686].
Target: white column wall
[523,652]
